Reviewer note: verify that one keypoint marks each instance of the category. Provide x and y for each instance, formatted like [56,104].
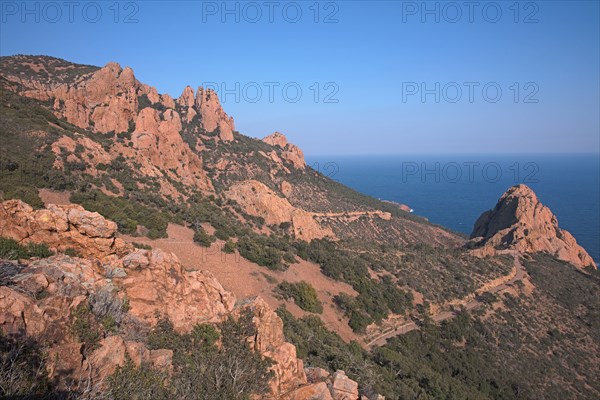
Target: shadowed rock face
[521,222]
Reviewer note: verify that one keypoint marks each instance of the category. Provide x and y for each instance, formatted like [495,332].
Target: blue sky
[373,57]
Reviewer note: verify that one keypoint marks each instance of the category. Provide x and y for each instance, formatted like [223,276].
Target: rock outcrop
[160,149]
[289,151]
[323,386]
[110,100]
[521,222]
[258,200]
[107,99]
[45,295]
[342,387]
[157,285]
[288,370]
[61,228]
[212,115]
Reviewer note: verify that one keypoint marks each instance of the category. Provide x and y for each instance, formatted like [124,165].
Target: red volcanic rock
[19,314]
[111,354]
[157,286]
[110,99]
[286,188]
[106,100]
[316,391]
[259,200]
[186,100]
[66,361]
[161,358]
[138,353]
[343,388]
[61,227]
[290,152]
[316,374]
[45,295]
[276,139]
[269,341]
[160,147]
[521,222]
[212,114]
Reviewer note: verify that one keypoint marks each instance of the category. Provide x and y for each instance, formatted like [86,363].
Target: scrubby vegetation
[201,368]
[518,352]
[10,249]
[262,250]
[375,300]
[22,369]
[24,129]
[203,238]
[208,363]
[303,294]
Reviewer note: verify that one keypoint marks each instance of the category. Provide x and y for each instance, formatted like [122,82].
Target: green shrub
[22,369]
[229,247]
[39,250]
[304,295]
[142,246]
[72,252]
[196,358]
[271,279]
[28,194]
[203,238]
[86,328]
[10,249]
[261,251]
[129,382]
[289,257]
[375,299]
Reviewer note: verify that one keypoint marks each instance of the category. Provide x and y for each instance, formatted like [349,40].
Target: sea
[453,190]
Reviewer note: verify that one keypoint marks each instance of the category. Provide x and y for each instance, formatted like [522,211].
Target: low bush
[10,249]
[86,328]
[135,383]
[304,295]
[229,247]
[203,238]
[22,369]
[262,251]
[201,368]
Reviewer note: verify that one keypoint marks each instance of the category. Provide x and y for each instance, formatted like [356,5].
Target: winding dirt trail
[445,315]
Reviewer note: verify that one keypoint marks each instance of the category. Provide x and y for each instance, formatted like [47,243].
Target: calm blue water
[454,190]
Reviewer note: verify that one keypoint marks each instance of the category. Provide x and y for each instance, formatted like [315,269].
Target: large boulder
[342,387]
[157,286]
[62,227]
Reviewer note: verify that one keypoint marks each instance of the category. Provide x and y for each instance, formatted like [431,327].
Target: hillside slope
[204,215]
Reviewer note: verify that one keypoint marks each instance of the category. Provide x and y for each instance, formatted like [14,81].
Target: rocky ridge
[110,100]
